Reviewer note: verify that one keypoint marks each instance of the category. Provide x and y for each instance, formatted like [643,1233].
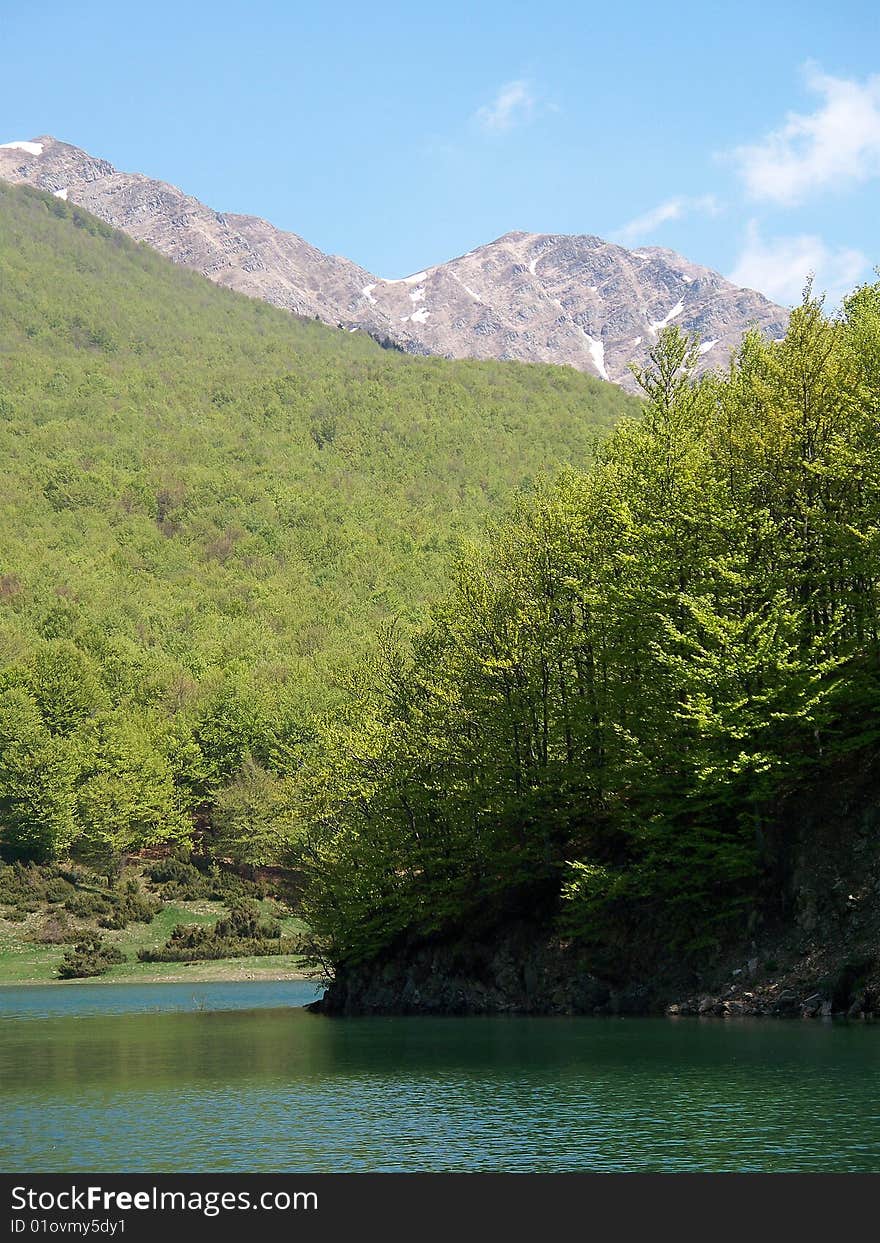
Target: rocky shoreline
[523,973]
[515,974]
[811,948]
[391,990]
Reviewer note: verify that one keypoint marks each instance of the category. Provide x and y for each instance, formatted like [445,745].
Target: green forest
[209,508]
[459,642]
[599,726]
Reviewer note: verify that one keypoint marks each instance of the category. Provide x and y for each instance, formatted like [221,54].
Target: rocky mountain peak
[576,300]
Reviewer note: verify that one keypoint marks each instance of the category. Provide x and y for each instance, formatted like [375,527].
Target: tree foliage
[208,508]
[603,716]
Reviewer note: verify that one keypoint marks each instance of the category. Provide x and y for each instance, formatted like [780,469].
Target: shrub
[58,889]
[171,869]
[240,934]
[182,881]
[87,905]
[27,885]
[243,920]
[88,957]
[16,884]
[131,906]
[209,948]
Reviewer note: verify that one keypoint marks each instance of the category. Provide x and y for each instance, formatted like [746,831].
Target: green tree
[66,685]
[251,817]
[37,782]
[126,797]
[230,728]
[604,716]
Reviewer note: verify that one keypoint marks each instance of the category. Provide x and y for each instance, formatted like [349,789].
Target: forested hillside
[208,509]
[606,724]
[248,590]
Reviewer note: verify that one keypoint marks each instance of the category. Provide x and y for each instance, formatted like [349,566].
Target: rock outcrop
[579,301]
[240,252]
[519,972]
[811,949]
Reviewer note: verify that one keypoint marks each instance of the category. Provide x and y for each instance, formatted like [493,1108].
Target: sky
[746,136]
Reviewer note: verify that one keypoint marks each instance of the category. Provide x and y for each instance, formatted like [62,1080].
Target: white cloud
[672,209]
[513,104]
[779,267]
[837,144]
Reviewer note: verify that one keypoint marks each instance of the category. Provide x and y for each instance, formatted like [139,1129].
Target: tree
[66,686]
[37,782]
[230,728]
[251,817]
[126,797]
[605,714]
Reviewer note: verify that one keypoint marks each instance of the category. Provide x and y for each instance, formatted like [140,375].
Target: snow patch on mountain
[32,148]
[472,292]
[657,324]
[597,353]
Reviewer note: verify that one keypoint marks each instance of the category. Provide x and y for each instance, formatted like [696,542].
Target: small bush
[88,957]
[215,947]
[11,889]
[190,936]
[243,920]
[115,909]
[131,906]
[58,890]
[24,885]
[240,934]
[172,869]
[88,905]
[182,881]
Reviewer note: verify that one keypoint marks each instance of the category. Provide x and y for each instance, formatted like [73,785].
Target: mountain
[241,252]
[579,301]
[205,487]
[533,297]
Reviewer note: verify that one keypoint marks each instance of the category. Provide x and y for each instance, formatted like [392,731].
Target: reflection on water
[279,1089]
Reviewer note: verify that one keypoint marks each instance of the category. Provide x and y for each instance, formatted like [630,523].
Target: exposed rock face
[241,252]
[536,297]
[595,306]
[811,950]
[517,973]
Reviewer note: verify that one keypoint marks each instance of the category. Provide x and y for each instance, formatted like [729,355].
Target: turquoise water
[76,1000]
[240,1077]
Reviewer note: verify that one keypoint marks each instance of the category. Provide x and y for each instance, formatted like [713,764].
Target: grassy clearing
[24,962]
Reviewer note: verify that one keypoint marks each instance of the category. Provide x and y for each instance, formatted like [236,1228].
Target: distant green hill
[202,495]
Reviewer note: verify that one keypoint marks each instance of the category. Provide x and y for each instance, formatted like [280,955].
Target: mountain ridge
[570,299]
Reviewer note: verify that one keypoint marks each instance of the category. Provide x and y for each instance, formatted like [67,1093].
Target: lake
[216,1077]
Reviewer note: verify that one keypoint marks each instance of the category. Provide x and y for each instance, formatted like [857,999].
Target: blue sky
[745,136]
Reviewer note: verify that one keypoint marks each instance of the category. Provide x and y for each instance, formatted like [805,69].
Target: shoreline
[187,978]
